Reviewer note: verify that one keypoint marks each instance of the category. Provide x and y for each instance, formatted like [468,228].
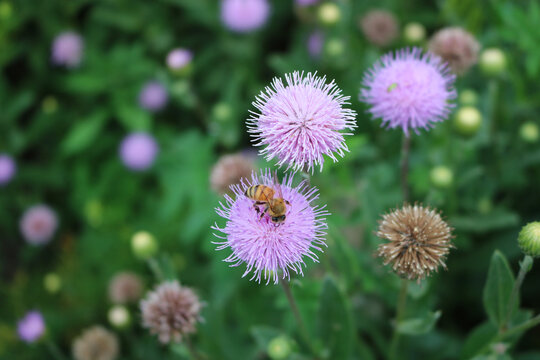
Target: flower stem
[405,150]
[192,352]
[525,266]
[400,312]
[153,264]
[300,322]
[55,352]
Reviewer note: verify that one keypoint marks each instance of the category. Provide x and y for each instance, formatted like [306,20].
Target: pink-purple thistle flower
[31,327]
[244,16]
[301,121]
[315,43]
[153,96]
[306,2]
[38,224]
[409,89]
[8,168]
[138,151]
[67,49]
[177,59]
[268,248]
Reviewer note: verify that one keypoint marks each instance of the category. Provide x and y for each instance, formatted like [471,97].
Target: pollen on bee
[391,87]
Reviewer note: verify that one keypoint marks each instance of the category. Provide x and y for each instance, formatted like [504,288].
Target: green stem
[156,269]
[404,166]
[54,350]
[300,322]
[522,327]
[193,353]
[525,266]
[400,313]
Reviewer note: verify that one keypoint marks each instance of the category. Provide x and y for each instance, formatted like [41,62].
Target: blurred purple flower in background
[138,151]
[38,224]
[265,247]
[315,43]
[67,49]
[153,96]
[31,327]
[457,47]
[380,27]
[8,168]
[244,15]
[409,89]
[300,121]
[306,2]
[179,58]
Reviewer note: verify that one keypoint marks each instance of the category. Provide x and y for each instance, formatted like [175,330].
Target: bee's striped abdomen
[259,193]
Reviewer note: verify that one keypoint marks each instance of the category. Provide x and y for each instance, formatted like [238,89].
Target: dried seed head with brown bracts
[419,241]
[457,47]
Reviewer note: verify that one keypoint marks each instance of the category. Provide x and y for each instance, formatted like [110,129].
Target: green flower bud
[467,120]
[468,97]
[329,13]
[414,33]
[144,245]
[119,317]
[334,47]
[222,112]
[5,10]
[52,283]
[492,61]
[279,348]
[529,132]
[93,211]
[529,239]
[441,176]
[49,105]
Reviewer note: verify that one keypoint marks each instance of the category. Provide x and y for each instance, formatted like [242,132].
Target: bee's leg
[256,205]
[264,212]
[286,202]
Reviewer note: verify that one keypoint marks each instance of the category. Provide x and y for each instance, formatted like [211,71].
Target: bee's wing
[277,185]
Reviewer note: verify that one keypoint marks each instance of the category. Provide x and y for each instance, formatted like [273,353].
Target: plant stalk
[404,166]
[525,266]
[400,312]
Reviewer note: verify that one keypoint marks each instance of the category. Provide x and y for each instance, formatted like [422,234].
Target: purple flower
[67,49]
[179,58]
[8,168]
[244,16]
[409,89]
[38,224]
[300,121]
[31,327]
[138,151]
[267,247]
[315,43]
[306,2]
[153,96]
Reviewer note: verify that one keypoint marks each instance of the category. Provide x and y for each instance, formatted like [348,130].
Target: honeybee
[264,195]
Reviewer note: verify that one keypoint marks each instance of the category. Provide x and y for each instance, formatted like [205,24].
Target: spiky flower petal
[409,89]
[300,121]
[268,248]
[171,311]
[419,241]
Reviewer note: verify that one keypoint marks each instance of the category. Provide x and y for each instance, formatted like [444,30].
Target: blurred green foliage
[64,127]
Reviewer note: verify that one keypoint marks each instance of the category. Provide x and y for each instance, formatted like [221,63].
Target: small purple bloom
[300,121]
[153,96]
[306,2]
[268,248]
[138,151]
[409,89]
[179,58]
[8,168]
[67,49]
[31,327]
[244,16]
[38,224]
[315,43]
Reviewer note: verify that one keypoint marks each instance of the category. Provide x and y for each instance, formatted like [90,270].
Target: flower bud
[119,317]
[334,47]
[441,176]
[467,120]
[279,348]
[52,283]
[414,33]
[49,105]
[468,97]
[93,210]
[529,132]
[329,13]
[6,10]
[222,112]
[529,239]
[493,61]
[144,245]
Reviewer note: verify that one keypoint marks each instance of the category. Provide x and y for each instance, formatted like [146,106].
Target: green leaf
[263,335]
[479,338]
[498,288]
[84,133]
[419,326]
[334,321]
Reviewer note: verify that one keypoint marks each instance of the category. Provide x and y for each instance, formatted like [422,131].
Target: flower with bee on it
[267,247]
[418,241]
